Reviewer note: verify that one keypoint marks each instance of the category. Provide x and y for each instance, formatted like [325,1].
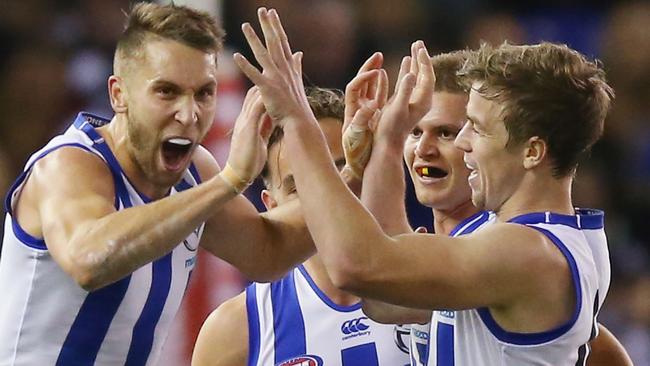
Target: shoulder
[205,163]
[223,339]
[73,168]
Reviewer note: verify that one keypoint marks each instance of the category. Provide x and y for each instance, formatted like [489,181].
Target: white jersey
[292,322]
[472,337]
[420,333]
[47,319]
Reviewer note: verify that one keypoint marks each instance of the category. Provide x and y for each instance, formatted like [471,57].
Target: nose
[426,146]
[188,111]
[462,139]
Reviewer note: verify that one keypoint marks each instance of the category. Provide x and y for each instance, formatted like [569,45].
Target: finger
[297,66]
[271,38]
[284,40]
[362,117]
[251,72]
[424,87]
[415,48]
[373,62]
[404,68]
[259,51]
[405,90]
[382,89]
[353,94]
[248,99]
[266,128]
[371,87]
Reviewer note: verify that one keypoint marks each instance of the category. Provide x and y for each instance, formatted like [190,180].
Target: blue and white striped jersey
[420,333]
[47,319]
[472,337]
[292,322]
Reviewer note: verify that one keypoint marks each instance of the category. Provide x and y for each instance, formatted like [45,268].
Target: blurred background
[57,56]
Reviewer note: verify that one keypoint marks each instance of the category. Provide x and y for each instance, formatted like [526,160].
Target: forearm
[384,186]
[328,205]
[114,246]
[386,313]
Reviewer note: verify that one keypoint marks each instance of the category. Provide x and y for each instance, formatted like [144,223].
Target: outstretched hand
[280,82]
[411,99]
[365,95]
[250,137]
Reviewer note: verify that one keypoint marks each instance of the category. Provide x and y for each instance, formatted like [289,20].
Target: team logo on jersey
[355,328]
[354,325]
[402,335]
[304,360]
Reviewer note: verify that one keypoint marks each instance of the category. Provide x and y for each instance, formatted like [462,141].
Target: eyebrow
[475,121]
[163,82]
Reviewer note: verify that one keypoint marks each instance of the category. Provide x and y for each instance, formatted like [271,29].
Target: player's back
[292,322]
[46,318]
[479,340]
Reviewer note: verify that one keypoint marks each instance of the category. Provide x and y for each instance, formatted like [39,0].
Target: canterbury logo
[354,325]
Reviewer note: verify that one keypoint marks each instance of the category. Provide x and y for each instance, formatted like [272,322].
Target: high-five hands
[365,95]
[280,82]
[411,99]
[370,117]
[248,143]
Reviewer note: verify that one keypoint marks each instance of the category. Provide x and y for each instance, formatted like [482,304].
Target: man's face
[496,171]
[283,187]
[171,96]
[436,166]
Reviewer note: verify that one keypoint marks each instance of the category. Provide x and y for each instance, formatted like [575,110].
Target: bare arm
[386,313]
[606,350]
[504,267]
[384,183]
[69,200]
[262,246]
[223,339]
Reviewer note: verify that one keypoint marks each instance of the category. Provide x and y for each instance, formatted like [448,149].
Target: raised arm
[384,185]
[69,201]
[383,182]
[465,272]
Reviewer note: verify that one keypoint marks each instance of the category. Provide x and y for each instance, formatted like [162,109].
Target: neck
[538,193]
[444,221]
[316,270]
[116,136]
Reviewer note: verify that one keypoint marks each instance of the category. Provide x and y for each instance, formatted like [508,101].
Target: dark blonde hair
[546,90]
[446,67]
[325,103]
[196,29]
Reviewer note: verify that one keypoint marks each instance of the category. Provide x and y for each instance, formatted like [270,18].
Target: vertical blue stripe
[253,325]
[288,323]
[143,331]
[89,328]
[445,342]
[361,355]
[195,173]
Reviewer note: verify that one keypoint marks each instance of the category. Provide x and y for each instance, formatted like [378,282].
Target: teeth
[180,141]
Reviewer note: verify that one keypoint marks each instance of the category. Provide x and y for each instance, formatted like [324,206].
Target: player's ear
[269,201]
[534,152]
[117,94]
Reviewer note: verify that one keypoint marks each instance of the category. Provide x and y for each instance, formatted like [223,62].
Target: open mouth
[431,172]
[175,152]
